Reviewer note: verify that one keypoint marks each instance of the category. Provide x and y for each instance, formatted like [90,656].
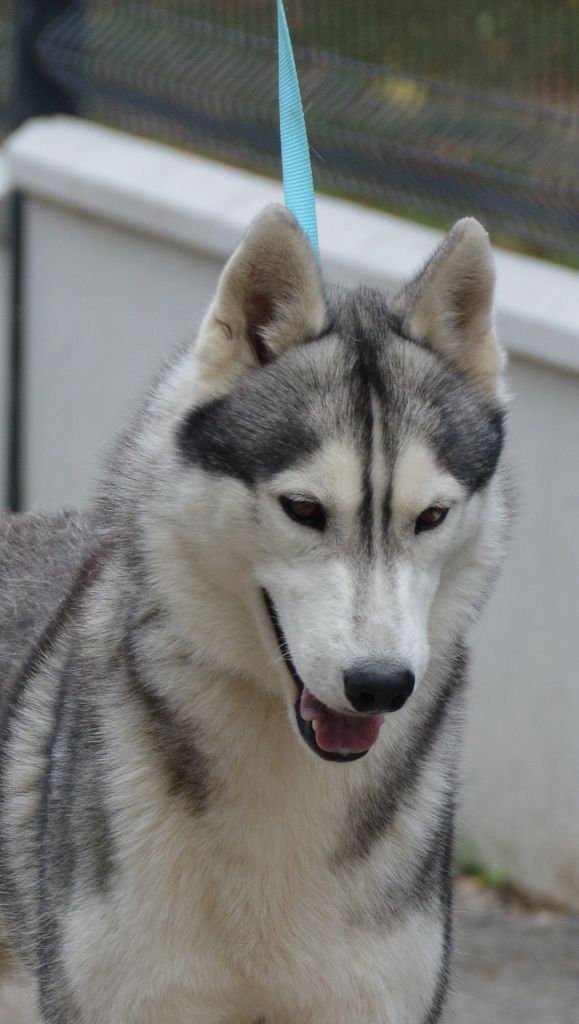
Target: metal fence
[431,110]
[6,63]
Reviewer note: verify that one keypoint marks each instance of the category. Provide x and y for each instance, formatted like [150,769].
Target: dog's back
[38,555]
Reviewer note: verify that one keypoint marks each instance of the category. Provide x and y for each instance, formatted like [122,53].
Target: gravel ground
[512,964]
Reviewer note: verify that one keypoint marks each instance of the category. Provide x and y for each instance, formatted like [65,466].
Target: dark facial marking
[387,510]
[251,434]
[366,510]
[365,381]
[468,435]
[429,399]
[279,413]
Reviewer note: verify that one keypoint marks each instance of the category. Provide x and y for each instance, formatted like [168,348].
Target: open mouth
[331,735]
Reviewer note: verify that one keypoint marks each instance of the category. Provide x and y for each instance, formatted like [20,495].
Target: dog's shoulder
[38,558]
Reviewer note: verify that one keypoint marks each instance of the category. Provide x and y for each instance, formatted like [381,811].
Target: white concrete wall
[103,305]
[124,243]
[521,793]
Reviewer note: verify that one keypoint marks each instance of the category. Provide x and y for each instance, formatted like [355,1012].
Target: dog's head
[328,512]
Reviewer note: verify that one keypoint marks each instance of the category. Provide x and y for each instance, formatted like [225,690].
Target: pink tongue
[336,733]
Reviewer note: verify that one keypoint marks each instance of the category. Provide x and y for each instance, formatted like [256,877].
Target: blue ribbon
[295,152]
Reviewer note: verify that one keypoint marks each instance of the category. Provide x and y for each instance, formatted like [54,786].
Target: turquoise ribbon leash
[298,183]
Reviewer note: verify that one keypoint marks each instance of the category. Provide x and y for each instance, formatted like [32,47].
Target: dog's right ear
[270,296]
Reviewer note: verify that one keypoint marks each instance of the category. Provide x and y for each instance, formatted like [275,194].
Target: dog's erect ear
[449,304]
[270,296]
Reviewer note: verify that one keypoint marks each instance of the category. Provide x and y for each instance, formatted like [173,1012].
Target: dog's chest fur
[251,859]
[229,868]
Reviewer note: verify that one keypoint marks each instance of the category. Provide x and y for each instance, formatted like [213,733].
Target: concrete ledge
[125,240]
[197,203]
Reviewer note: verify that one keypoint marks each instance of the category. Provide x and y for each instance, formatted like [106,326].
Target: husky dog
[232,690]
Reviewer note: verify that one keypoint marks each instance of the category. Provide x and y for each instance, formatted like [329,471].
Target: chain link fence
[429,110]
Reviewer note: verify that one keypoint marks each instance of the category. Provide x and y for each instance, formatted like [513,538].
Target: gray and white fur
[308,508]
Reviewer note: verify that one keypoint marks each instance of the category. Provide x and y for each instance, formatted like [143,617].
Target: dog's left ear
[449,305]
[270,296]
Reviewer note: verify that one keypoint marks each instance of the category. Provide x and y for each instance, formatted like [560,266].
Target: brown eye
[304,511]
[431,517]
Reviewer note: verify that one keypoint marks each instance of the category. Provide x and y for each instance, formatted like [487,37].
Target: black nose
[376,687]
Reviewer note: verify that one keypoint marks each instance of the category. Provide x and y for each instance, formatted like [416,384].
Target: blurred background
[140,138]
[414,107]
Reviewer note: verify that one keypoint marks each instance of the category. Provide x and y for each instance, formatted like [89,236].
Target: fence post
[34,94]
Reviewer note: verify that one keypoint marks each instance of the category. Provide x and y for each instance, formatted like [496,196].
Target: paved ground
[512,965]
